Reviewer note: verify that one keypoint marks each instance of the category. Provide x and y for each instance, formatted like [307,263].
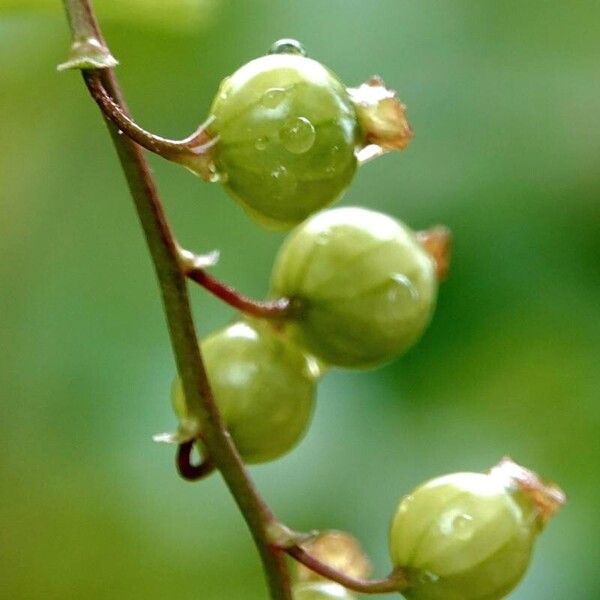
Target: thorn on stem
[88,53]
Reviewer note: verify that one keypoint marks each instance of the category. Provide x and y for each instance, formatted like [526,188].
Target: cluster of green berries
[363,288]
[362,285]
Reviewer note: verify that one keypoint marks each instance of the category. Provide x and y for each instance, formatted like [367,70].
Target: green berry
[366,286]
[338,550]
[469,536]
[325,590]
[287,132]
[264,387]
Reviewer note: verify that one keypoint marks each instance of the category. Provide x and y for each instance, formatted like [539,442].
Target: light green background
[504,98]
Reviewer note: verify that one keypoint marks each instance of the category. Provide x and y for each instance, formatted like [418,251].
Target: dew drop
[282,183]
[213,174]
[428,577]
[273,97]
[402,287]
[408,500]
[287,46]
[462,526]
[297,135]
[457,524]
[315,369]
[224,89]
[333,160]
[261,143]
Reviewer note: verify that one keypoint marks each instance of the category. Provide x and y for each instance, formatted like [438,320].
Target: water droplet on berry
[274,97]
[403,287]
[315,369]
[282,183]
[261,143]
[288,46]
[224,89]
[297,135]
[428,577]
[213,174]
[406,504]
[457,524]
[333,160]
[463,526]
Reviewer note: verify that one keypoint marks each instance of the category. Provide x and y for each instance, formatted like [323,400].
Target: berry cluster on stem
[311,321]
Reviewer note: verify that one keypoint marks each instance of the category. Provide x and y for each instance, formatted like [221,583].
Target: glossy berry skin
[287,132]
[466,536]
[263,385]
[366,286]
[324,590]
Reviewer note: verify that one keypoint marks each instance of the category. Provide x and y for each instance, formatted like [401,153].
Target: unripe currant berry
[469,536]
[264,387]
[321,590]
[287,133]
[338,550]
[366,286]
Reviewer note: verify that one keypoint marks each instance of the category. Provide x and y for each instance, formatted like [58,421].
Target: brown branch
[396,581]
[164,252]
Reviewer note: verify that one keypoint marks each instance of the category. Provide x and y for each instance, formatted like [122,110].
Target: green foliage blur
[504,98]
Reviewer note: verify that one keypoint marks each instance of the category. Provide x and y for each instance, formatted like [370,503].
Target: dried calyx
[382,118]
[547,498]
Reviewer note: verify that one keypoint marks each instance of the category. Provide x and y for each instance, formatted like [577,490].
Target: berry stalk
[394,582]
[194,269]
[192,152]
[164,252]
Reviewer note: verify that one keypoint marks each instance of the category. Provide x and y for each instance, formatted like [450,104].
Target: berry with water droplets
[469,536]
[287,133]
[365,285]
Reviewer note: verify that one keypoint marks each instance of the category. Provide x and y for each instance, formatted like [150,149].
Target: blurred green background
[504,98]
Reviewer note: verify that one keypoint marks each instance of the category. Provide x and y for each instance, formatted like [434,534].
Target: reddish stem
[188,470]
[280,308]
[187,151]
[396,581]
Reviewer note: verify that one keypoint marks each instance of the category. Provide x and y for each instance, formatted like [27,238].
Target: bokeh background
[504,98]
